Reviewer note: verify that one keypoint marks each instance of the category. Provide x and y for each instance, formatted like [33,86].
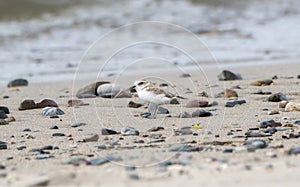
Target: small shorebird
[152,94]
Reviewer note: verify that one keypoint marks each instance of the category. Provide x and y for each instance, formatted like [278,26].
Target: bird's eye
[141,83]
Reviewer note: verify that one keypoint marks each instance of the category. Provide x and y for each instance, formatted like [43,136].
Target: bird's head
[140,84]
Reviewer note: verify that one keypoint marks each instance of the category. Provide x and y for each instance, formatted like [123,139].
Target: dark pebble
[3,145]
[21,147]
[46,103]
[27,130]
[271,130]
[130,168]
[294,151]
[138,141]
[269,123]
[201,113]
[233,103]
[162,110]
[297,122]
[129,131]
[154,129]
[174,101]
[17,82]
[183,148]
[78,124]
[2,166]
[254,129]
[227,151]
[277,97]
[3,115]
[4,109]
[157,141]
[227,75]
[98,161]
[58,134]
[106,131]
[163,85]
[134,176]
[145,114]
[185,75]
[5,97]
[27,105]
[132,104]
[54,127]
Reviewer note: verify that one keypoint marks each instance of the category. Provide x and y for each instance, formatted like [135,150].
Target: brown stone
[196,104]
[46,103]
[228,93]
[27,105]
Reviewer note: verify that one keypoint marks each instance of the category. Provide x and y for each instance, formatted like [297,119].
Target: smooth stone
[27,130]
[292,106]
[3,115]
[97,161]
[183,148]
[282,104]
[277,97]
[133,176]
[75,103]
[4,109]
[132,104]
[52,111]
[27,105]
[54,127]
[214,103]
[155,136]
[162,110]
[273,112]
[227,151]
[256,144]
[146,114]
[93,138]
[174,101]
[184,115]
[138,141]
[183,131]
[185,75]
[294,151]
[17,83]
[78,124]
[58,134]
[106,131]
[227,75]
[10,119]
[201,113]
[297,122]
[75,160]
[233,103]
[129,131]
[90,90]
[46,103]
[269,123]
[109,90]
[21,147]
[3,145]
[155,129]
[3,122]
[228,93]
[283,128]
[260,92]
[42,156]
[270,130]
[265,82]
[256,134]
[196,104]
[2,166]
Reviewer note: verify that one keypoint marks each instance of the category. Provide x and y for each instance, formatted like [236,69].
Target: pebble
[138,141]
[93,138]
[294,151]
[27,130]
[183,148]
[282,104]
[162,110]
[75,103]
[17,83]
[3,122]
[109,90]
[185,75]
[174,101]
[260,92]
[227,75]
[132,104]
[269,123]
[10,119]
[201,113]
[54,127]
[78,124]
[27,105]
[292,106]
[146,114]
[196,104]
[264,82]
[3,115]
[184,115]
[273,112]
[277,97]
[270,130]
[155,136]
[297,122]
[228,93]
[58,134]
[4,109]
[183,131]
[42,156]
[227,151]
[46,103]
[233,103]
[90,90]
[256,144]
[52,111]
[157,141]
[133,176]
[3,145]
[129,131]
[75,160]
[155,129]
[21,147]
[2,166]
[106,131]
[98,161]
[214,103]
[256,134]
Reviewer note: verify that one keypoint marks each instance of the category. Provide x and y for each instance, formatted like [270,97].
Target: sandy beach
[216,158]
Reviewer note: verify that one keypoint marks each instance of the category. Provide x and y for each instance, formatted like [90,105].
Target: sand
[207,167]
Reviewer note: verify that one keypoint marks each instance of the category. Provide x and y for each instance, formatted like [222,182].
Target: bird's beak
[132,89]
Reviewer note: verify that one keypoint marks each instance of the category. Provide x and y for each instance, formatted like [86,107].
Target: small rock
[129,131]
[42,156]
[256,134]
[46,103]
[273,112]
[155,136]
[133,176]
[155,129]
[93,138]
[183,148]
[227,75]
[256,144]
[17,83]
[27,130]
[269,123]
[27,105]
[270,130]
[260,92]
[146,114]
[98,161]
[292,106]
[297,122]
[2,167]
[90,90]
[3,115]
[214,103]
[294,151]
[196,103]
[78,124]
[174,101]
[10,119]
[52,111]
[265,82]
[108,90]
[182,131]
[4,109]
[185,75]
[138,141]
[21,147]
[233,103]
[132,104]
[3,145]
[76,103]
[106,131]
[184,115]
[282,104]
[162,110]
[58,134]
[54,127]
[277,97]
[74,160]
[3,122]
[228,93]
[201,113]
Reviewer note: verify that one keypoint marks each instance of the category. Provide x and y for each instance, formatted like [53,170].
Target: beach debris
[27,105]
[227,75]
[90,90]
[52,111]
[196,104]
[201,113]
[292,106]
[277,97]
[233,103]
[228,93]
[106,131]
[264,82]
[184,115]
[46,103]
[129,131]
[17,83]
[132,104]
[269,123]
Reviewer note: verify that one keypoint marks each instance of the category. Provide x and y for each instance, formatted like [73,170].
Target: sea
[52,41]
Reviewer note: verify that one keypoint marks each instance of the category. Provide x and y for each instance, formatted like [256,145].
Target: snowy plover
[152,94]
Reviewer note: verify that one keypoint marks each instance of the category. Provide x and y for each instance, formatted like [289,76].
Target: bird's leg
[152,109]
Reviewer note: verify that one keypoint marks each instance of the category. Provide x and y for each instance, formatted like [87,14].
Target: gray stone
[227,75]
[183,148]
[184,115]
[42,156]
[90,90]
[21,147]
[162,110]
[256,144]
[277,97]
[201,113]
[155,129]
[3,145]
[3,122]
[108,90]
[4,109]
[98,161]
[52,111]
[129,131]
[78,124]
[17,83]
[106,131]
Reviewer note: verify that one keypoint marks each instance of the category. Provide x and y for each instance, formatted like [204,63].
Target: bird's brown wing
[159,91]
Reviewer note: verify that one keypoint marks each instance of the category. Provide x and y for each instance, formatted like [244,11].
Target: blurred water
[45,40]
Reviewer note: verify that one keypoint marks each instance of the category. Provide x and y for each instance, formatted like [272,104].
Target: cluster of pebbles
[261,136]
